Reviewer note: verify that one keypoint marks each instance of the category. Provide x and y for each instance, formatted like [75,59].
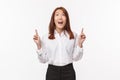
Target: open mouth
[60,22]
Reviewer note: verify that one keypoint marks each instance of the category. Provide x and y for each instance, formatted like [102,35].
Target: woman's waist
[67,66]
[57,62]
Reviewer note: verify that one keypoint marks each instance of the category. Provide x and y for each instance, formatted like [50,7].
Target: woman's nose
[60,17]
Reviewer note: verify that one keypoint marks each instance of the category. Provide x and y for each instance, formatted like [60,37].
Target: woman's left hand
[82,38]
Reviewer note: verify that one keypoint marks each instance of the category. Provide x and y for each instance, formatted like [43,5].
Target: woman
[60,47]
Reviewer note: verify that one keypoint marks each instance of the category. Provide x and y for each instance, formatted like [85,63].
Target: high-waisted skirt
[66,72]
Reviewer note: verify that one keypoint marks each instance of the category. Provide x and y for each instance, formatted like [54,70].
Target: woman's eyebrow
[59,13]
[56,12]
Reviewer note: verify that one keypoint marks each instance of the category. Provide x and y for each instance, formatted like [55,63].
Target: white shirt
[59,51]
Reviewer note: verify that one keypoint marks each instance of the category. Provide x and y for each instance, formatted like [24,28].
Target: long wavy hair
[66,27]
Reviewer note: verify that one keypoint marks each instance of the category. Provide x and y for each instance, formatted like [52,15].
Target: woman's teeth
[60,22]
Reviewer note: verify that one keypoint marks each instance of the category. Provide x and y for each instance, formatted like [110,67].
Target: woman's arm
[78,47]
[41,48]
[77,50]
[42,51]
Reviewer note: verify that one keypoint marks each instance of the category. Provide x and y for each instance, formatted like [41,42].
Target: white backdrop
[101,22]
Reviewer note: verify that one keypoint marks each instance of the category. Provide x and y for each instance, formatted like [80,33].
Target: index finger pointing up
[82,30]
[36,32]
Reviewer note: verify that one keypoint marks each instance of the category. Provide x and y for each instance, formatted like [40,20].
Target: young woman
[60,47]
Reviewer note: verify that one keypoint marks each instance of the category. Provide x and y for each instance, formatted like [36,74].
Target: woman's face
[59,19]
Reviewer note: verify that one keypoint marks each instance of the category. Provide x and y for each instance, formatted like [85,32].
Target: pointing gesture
[82,30]
[82,34]
[36,32]
[82,38]
[36,39]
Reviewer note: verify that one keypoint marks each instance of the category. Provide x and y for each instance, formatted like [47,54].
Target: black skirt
[66,72]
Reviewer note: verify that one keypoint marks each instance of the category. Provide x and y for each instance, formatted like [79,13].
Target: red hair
[66,27]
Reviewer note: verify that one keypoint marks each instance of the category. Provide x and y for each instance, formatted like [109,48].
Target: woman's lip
[60,22]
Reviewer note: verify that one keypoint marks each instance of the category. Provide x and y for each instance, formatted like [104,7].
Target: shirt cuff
[39,51]
[79,49]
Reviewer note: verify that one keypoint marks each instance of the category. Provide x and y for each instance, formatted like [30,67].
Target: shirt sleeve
[77,51]
[42,53]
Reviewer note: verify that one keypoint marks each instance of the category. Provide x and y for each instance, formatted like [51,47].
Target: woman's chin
[60,27]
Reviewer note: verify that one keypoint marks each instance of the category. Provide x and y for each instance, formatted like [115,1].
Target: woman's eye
[56,14]
[59,14]
[63,14]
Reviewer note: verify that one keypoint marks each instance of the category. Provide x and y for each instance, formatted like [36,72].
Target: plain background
[99,18]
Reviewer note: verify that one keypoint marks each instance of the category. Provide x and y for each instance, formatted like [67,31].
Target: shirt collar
[63,33]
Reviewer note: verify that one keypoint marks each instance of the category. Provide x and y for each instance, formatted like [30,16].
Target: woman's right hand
[36,39]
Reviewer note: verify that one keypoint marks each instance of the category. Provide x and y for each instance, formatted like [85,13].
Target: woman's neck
[59,31]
